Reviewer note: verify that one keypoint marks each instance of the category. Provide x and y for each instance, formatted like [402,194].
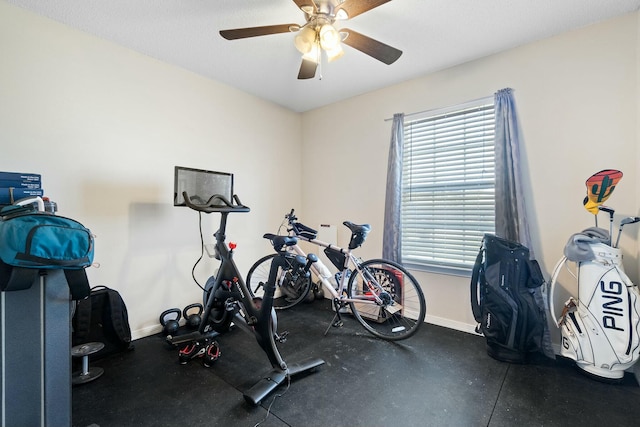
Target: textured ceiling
[433,34]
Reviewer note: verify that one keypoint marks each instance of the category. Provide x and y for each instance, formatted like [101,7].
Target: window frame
[471,147]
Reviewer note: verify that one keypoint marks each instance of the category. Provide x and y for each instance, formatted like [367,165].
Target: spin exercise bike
[227,299]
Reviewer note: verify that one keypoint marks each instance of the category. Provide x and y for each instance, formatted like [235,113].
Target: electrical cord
[193,270]
[193,275]
[274,399]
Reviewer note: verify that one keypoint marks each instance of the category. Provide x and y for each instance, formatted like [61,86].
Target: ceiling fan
[318,34]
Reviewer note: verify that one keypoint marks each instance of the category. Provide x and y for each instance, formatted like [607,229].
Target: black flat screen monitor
[200,185]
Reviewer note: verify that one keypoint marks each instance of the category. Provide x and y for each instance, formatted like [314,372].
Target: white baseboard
[145,332]
[451,324]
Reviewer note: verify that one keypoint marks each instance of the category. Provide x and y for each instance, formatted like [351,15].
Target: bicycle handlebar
[358,231]
[298,228]
[210,206]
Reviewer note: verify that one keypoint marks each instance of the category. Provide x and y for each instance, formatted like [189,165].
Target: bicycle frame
[381,294]
[323,273]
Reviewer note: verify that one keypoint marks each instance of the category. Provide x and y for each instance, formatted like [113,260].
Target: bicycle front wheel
[291,284]
[401,307]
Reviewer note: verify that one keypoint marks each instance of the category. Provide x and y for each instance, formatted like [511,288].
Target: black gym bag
[102,317]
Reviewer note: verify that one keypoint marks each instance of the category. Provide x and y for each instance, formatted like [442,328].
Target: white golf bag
[600,329]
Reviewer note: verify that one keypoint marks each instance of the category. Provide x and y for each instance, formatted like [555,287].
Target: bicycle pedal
[338,324]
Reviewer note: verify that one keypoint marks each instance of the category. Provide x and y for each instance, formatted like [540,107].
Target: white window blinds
[448,187]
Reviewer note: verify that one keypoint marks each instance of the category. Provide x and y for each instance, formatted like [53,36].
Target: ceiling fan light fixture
[334,53]
[329,37]
[313,54]
[305,39]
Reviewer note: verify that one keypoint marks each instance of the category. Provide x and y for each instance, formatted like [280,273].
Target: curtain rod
[441,109]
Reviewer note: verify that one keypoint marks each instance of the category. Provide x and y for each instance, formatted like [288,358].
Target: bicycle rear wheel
[404,307]
[291,285]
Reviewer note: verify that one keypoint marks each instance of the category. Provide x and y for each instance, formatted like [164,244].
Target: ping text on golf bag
[600,328]
[503,283]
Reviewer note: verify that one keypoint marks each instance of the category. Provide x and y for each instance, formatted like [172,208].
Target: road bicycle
[227,299]
[381,294]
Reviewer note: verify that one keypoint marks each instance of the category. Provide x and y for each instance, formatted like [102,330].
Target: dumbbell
[193,320]
[87,374]
[170,321]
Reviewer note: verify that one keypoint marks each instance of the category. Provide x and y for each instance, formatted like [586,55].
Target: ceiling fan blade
[307,6]
[356,7]
[241,33]
[307,69]
[373,48]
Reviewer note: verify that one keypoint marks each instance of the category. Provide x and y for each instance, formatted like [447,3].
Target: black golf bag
[502,299]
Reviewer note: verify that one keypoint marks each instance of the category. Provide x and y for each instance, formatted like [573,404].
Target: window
[448,181]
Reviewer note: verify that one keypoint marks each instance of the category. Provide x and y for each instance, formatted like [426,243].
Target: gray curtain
[391,242]
[511,217]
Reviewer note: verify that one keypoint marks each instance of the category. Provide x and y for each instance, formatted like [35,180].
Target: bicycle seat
[358,233]
[355,228]
[279,242]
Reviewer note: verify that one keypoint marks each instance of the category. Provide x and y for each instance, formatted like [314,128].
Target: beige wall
[105,126]
[577,97]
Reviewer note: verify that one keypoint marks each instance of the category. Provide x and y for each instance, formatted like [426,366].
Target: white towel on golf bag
[600,330]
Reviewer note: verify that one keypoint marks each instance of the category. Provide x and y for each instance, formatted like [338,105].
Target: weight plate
[80,378]
[86,349]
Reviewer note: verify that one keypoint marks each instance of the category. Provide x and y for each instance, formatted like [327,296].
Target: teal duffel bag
[32,241]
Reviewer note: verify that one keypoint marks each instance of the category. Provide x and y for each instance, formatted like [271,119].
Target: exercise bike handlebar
[216,203]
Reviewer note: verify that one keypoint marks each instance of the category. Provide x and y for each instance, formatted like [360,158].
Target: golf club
[623,222]
[610,211]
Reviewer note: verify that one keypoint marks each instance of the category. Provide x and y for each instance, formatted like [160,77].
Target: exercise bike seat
[279,242]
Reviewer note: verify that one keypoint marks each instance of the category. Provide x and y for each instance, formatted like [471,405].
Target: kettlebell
[170,324]
[194,319]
